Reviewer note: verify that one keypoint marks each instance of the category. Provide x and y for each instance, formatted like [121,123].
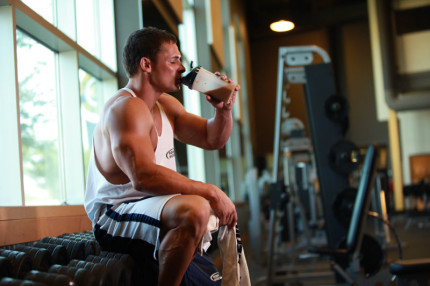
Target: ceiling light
[282,26]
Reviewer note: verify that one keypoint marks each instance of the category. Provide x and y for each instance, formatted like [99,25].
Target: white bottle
[208,83]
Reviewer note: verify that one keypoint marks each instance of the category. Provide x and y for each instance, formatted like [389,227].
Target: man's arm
[219,127]
[208,134]
[130,124]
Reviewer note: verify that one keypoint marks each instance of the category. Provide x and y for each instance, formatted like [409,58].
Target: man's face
[166,71]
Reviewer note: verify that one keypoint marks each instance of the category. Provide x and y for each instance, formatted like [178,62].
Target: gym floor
[412,230]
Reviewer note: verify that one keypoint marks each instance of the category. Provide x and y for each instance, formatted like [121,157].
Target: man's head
[144,43]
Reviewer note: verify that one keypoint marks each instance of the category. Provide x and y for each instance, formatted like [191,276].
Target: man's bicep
[188,127]
[191,129]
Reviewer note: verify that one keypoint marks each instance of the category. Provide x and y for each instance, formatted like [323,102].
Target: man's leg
[184,221]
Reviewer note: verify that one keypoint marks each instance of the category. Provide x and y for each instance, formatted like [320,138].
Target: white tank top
[100,192]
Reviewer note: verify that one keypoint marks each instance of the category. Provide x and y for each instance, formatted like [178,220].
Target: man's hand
[220,104]
[224,208]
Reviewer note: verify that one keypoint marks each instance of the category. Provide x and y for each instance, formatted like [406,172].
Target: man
[134,195]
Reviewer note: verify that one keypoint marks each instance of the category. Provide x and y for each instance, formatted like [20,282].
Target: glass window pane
[66,17]
[39,122]
[91,108]
[187,36]
[42,7]
[85,23]
[107,33]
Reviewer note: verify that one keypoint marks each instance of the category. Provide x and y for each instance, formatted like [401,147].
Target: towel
[235,268]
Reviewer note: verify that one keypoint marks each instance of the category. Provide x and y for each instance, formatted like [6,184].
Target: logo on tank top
[170,154]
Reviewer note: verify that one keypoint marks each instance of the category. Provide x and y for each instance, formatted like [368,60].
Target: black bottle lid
[188,80]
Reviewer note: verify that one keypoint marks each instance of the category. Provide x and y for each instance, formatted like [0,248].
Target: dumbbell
[71,236]
[74,249]
[91,245]
[88,234]
[7,281]
[98,270]
[40,258]
[51,279]
[84,235]
[125,259]
[80,276]
[58,252]
[20,262]
[115,269]
[79,237]
[5,267]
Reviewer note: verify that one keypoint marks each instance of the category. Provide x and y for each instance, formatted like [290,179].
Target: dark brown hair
[145,42]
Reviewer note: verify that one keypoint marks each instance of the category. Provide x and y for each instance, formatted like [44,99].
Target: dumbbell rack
[69,259]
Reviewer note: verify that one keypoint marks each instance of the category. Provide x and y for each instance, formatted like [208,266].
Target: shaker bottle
[208,83]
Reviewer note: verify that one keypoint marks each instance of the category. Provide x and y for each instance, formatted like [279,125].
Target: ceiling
[306,14]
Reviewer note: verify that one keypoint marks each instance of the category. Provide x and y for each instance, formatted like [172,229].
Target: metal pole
[272,229]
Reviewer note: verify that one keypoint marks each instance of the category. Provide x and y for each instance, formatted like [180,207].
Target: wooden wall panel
[25,224]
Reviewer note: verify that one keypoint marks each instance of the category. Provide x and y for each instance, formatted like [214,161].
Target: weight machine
[335,158]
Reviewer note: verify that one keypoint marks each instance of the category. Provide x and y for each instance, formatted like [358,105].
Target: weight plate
[336,108]
[344,204]
[344,157]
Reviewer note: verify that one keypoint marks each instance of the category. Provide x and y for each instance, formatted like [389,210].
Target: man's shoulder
[166,98]
[126,109]
[122,101]
[169,102]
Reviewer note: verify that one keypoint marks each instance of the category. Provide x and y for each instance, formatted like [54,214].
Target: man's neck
[144,91]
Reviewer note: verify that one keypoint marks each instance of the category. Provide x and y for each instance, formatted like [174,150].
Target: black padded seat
[410,266]
[411,272]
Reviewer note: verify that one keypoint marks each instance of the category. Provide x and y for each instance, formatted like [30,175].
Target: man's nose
[182,68]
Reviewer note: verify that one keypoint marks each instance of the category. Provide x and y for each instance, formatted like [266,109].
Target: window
[91,107]
[187,36]
[95,23]
[50,98]
[90,22]
[85,25]
[39,121]
[42,7]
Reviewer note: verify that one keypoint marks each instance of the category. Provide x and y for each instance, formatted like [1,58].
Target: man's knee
[190,212]
[195,214]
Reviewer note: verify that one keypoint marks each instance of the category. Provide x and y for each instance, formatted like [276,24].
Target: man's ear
[145,64]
